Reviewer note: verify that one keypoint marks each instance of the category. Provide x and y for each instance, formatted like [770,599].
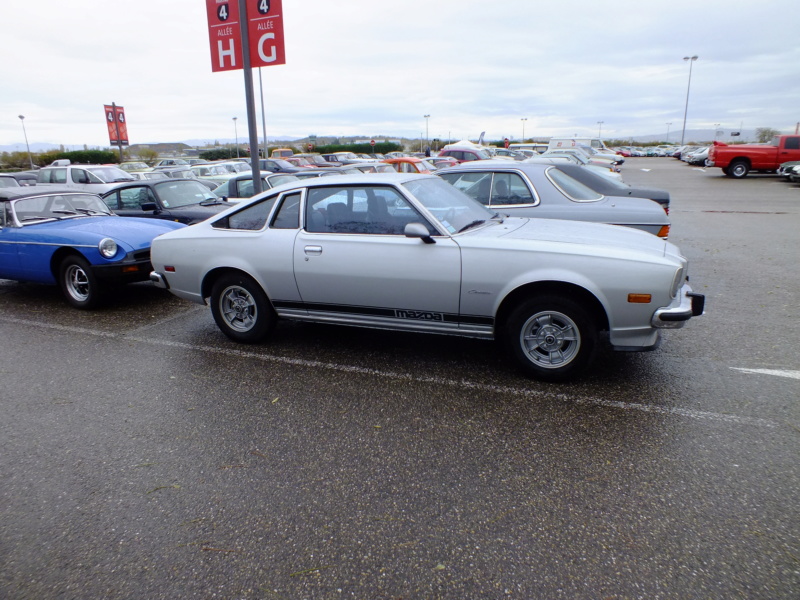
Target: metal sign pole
[248,91]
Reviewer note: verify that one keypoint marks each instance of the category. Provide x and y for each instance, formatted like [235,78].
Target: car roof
[495,165]
[361,179]
[32,191]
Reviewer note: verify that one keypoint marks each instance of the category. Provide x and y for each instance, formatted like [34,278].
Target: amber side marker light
[130,269]
[663,232]
[639,298]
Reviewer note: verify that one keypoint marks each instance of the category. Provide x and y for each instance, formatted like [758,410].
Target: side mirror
[148,206]
[418,230]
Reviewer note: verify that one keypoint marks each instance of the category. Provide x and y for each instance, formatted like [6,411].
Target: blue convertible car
[72,239]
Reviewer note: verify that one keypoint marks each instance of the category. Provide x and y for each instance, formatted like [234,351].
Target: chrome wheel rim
[77,283]
[550,339]
[238,308]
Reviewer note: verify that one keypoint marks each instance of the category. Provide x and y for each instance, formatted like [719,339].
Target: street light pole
[691,59]
[426,130]
[30,158]
[600,129]
[236,135]
[523,119]
[668,124]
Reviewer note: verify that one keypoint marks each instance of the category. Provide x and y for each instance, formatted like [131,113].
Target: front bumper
[159,280]
[124,272]
[675,317]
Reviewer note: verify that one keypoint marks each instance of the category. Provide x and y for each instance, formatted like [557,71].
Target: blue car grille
[141,254]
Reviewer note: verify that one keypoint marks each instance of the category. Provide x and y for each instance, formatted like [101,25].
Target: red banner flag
[117,125]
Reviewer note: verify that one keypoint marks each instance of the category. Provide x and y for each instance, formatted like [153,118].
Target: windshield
[183,193]
[110,174]
[453,208]
[58,206]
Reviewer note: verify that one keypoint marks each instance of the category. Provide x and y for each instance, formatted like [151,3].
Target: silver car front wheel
[551,338]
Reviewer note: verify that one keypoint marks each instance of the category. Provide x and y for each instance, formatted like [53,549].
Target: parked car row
[546,255]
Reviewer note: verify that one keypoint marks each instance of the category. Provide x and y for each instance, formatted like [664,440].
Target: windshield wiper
[89,211]
[470,225]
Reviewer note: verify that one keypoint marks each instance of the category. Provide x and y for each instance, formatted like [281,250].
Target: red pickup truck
[738,160]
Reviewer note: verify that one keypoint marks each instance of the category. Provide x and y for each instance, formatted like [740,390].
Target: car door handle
[313,250]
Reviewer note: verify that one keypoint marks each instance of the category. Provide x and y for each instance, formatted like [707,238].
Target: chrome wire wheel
[238,308]
[79,284]
[550,339]
[76,283]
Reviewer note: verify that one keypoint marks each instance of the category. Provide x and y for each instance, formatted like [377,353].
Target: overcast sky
[375,67]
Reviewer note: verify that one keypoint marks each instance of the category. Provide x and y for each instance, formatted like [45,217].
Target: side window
[510,188]
[58,176]
[792,143]
[245,188]
[375,210]
[476,184]
[288,214]
[79,176]
[222,190]
[132,198]
[251,218]
[112,200]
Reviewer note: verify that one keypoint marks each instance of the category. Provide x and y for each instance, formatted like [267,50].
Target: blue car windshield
[58,206]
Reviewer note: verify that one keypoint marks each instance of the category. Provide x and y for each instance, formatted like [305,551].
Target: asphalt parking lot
[147,456]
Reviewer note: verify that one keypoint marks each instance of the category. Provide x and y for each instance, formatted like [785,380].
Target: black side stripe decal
[392,313]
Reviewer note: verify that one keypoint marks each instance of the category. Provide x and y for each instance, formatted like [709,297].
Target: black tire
[551,338]
[738,168]
[78,283]
[241,309]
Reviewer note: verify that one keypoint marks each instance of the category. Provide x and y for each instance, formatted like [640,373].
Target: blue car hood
[131,231]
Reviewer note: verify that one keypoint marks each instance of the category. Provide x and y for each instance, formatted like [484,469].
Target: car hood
[556,231]
[133,231]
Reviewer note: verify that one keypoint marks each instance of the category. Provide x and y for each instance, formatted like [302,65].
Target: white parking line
[776,372]
[547,394]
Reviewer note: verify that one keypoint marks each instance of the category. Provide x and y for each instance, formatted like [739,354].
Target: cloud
[374,67]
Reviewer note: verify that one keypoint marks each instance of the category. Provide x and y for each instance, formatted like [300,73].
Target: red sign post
[117,126]
[246,34]
[265,28]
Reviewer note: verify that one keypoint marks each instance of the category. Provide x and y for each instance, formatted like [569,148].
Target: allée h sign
[264,19]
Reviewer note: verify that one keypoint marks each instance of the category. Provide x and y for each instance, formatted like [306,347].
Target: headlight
[677,282]
[107,247]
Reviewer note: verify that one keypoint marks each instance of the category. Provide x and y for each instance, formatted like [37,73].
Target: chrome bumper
[674,317]
[159,280]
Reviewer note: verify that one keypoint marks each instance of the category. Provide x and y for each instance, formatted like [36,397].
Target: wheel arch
[214,274]
[551,288]
[58,257]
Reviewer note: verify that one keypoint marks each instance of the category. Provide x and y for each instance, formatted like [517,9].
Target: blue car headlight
[108,247]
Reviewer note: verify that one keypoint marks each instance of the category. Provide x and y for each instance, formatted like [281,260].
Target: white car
[412,253]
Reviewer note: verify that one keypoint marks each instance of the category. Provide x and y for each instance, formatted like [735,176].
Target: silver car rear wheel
[241,309]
